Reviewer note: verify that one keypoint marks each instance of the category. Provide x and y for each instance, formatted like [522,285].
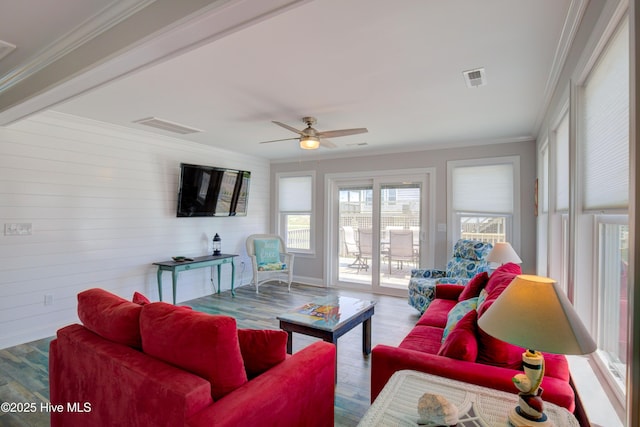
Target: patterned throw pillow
[457,313]
[274,266]
[481,299]
[267,252]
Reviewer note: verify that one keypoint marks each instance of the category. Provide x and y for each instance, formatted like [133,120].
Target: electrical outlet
[48,299]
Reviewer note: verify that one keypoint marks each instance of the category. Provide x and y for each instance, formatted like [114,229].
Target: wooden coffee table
[329,318]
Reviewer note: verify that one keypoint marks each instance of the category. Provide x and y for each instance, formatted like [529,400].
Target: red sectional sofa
[160,365]
[467,353]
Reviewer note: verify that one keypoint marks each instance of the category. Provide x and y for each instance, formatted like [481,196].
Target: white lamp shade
[503,253]
[533,312]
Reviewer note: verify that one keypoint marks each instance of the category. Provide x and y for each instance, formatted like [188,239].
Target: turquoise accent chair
[468,260]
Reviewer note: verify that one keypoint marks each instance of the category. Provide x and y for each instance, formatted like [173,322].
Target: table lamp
[503,253]
[534,313]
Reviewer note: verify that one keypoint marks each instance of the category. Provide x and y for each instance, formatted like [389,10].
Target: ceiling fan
[310,139]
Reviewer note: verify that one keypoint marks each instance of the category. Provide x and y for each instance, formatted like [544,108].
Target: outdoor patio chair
[351,247]
[400,248]
[365,246]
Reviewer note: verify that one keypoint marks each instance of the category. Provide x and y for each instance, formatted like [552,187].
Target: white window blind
[295,193]
[605,128]
[562,164]
[483,189]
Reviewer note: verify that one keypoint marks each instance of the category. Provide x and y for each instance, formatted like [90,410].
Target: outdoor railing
[299,238]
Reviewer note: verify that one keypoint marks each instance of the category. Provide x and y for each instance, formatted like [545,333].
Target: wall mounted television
[212,191]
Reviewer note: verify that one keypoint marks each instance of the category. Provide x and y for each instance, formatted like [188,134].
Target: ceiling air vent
[167,125]
[475,78]
[6,48]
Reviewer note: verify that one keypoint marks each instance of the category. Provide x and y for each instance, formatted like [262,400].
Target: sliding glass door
[377,231]
[400,229]
[355,219]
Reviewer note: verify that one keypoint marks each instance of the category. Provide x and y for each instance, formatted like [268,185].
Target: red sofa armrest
[123,386]
[448,291]
[385,360]
[299,391]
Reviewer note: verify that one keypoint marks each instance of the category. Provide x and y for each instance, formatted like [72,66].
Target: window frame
[584,223]
[513,219]
[600,359]
[281,216]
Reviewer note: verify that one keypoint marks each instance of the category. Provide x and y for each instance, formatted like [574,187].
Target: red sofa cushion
[426,339]
[492,351]
[475,285]
[556,366]
[501,278]
[204,344]
[140,299]
[461,342]
[437,313]
[262,349]
[110,316]
[498,281]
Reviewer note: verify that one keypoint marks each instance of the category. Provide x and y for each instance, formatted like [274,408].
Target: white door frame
[427,212]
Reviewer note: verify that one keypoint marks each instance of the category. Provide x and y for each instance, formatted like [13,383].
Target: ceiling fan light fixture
[309,142]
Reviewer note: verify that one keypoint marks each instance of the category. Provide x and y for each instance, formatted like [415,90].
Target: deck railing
[299,238]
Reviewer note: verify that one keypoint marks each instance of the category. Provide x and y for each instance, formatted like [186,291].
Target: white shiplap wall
[101,200]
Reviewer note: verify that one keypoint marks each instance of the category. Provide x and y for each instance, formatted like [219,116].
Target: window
[483,199]
[558,258]
[604,125]
[542,209]
[295,207]
[603,157]
[613,257]
[562,164]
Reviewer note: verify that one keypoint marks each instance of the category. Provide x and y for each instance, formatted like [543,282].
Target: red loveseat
[160,365]
[467,354]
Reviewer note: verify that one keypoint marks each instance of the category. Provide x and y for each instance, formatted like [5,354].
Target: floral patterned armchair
[468,260]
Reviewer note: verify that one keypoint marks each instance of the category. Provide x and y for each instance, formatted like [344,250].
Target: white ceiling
[393,67]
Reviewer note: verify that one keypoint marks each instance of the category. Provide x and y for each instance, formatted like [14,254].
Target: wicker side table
[477,406]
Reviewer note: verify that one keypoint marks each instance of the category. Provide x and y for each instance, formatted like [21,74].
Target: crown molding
[572,22]
[115,12]
[163,30]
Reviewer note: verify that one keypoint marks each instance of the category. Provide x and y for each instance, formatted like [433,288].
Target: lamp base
[518,420]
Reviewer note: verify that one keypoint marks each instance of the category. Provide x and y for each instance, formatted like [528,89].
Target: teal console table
[176,267]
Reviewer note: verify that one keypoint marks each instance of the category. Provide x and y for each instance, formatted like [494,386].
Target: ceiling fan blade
[341,132]
[327,144]
[277,140]
[292,129]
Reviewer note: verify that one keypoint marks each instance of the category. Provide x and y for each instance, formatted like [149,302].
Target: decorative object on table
[436,410]
[217,245]
[503,253]
[534,313]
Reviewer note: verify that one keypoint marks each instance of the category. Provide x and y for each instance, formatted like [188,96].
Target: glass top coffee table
[329,318]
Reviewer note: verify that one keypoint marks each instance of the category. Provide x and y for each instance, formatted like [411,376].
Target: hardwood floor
[24,373]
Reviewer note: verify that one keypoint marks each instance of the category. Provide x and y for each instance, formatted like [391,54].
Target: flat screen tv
[212,191]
